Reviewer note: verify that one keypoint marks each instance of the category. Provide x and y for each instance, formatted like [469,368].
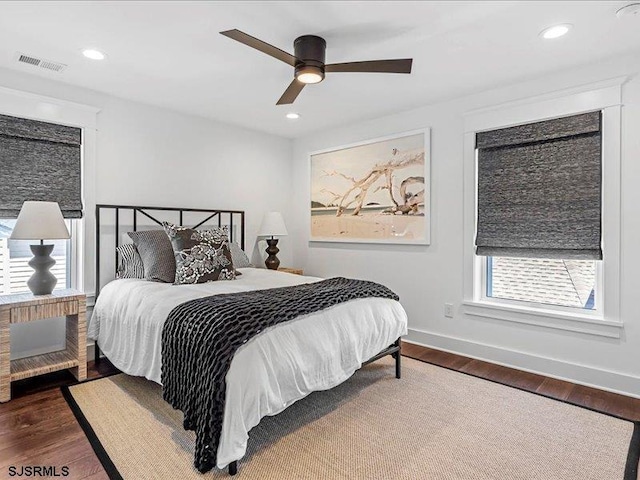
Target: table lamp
[41,221]
[272,226]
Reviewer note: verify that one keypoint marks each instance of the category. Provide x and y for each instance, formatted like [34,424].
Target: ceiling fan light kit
[309,74]
[309,64]
[309,51]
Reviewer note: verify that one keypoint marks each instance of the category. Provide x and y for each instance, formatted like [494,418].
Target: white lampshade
[40,221]
[272,225]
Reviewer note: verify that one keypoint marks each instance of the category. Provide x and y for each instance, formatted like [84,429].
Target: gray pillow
[200,255]
[130,265]
[239,257]
[156,253]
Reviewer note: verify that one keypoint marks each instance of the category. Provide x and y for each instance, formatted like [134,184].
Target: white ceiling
[170,54]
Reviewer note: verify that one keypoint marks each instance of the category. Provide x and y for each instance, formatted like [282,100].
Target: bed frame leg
[233,468]
[96,353]
[397,355]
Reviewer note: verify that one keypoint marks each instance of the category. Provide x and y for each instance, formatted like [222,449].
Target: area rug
[433,423]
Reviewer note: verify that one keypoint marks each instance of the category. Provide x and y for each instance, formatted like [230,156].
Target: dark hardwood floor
[38,428]
[612,403]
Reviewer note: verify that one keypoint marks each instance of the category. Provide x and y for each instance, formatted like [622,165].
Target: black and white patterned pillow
[130,264]
[157,255]
[239,257]
[200,255]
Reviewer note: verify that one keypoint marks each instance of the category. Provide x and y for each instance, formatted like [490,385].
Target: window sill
[572,322]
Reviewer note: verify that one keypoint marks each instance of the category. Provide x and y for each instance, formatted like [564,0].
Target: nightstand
[295,271]
[25,307]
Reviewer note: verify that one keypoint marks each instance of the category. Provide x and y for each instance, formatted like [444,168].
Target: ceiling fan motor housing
[310,51]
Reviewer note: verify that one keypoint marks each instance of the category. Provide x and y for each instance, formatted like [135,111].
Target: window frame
[75,254]
[49,109]
[607,97]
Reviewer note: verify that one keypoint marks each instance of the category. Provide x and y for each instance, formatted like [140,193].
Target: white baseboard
[588,376]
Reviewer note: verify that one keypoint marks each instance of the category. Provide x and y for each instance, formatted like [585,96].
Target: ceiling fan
[308,61]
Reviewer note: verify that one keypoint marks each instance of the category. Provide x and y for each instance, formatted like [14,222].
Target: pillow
[156,253]
[125,239]
[130,265]
[239,257]
[200,255]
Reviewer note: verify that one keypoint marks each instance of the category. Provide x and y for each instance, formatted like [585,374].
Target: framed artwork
[377,191]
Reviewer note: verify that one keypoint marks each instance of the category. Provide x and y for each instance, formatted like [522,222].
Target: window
[15,256]
[39,161]
[549,282]
[539,211]
[564,280]
[18,104]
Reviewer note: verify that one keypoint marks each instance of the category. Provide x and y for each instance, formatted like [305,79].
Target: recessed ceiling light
[293,115]
[556,31]
[93,54]
[631,10]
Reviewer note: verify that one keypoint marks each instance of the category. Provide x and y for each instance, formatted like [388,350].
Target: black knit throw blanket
[200,338]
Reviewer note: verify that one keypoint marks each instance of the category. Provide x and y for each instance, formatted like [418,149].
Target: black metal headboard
[223,217]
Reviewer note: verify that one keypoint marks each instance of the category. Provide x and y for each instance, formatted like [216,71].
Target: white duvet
[270,372]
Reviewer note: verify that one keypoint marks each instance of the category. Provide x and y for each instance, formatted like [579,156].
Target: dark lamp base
[272,261]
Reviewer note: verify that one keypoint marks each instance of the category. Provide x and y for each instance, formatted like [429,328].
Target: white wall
[427,277]
[151,156]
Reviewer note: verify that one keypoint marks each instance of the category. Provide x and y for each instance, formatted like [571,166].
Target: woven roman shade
[39,161]
[539,189]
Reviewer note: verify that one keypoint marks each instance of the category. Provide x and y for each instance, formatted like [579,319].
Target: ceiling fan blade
[373,66]
[258,44]
[291,93]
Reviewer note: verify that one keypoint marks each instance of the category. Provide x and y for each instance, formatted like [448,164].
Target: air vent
[56,67]
[29,60]
[41,63]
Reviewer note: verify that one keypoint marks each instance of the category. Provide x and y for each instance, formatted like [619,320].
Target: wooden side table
[295,271]
[25,307]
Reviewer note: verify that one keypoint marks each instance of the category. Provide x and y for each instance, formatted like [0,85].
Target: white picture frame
[374,191]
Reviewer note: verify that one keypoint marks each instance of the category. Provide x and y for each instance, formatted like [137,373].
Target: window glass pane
[15,256]
[566,283]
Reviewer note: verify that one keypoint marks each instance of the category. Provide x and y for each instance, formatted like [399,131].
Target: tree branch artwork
[334,196]
[408,203]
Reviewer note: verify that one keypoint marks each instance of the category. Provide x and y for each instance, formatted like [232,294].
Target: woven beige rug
[432,424]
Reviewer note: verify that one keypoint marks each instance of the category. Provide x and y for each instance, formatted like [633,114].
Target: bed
[278,367]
